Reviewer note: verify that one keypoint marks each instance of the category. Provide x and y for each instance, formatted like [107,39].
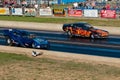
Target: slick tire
[69,34]
[33,45]
[48,47]
[92,36]
[9,41]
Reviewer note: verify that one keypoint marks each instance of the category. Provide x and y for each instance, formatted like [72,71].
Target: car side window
[86,27]
[75,26]
[14,33]
[72,25]
[79,25]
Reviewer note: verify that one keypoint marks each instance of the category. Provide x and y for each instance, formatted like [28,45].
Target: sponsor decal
[59,12]
[4,11]
[17,11]
[45,12]
[108,13]
[90,13]
[75,12]
[30,12]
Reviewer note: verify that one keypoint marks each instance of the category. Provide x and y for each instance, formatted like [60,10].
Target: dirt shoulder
[63,56]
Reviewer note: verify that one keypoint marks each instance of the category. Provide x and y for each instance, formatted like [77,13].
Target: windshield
[39,40]
[88,25]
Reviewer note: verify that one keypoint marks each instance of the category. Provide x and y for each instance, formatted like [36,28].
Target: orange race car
[84,30]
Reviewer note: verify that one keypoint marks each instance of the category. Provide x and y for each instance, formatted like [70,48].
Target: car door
[74,29]
[18,38]
[78,29]
[85,31]
[15,37]
[26,40]
[21,40]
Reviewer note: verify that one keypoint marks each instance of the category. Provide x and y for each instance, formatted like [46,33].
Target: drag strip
[60,42]
[78,49]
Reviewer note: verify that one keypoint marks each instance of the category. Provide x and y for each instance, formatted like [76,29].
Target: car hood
[99,30]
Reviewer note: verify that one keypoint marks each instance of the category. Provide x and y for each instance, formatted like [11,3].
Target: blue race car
[23,38]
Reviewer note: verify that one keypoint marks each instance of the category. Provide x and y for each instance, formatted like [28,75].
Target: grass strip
[62,20]
[18,65]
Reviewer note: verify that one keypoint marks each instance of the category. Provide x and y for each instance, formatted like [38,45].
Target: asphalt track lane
[77,48]
[87,50]
[96,51]
[62,36]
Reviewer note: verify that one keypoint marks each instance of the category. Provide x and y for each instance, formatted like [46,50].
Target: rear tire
[69,34]
[9,41]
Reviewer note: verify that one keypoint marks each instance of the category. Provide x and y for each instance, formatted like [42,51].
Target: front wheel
[33,45]
[92,36]
[48,47]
